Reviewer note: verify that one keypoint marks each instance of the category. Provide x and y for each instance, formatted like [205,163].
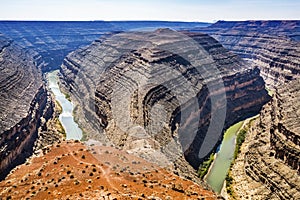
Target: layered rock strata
[269,165]
[53,40]
[271,45]
[24,104]
[161,94]
[282,28]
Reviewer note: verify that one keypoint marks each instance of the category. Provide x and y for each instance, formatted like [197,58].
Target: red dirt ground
[70,170]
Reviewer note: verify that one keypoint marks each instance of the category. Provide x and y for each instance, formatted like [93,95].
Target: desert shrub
[203,169]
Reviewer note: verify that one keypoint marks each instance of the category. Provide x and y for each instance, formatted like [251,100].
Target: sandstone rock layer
[24,104]
[161,94]
[271,155]
[271,45]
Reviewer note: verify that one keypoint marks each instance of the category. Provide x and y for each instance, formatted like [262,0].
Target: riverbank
[226,190]
[66,117]
[218,170]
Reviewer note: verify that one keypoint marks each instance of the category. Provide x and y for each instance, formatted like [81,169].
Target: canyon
[268,166]
[29,116]
[161,94]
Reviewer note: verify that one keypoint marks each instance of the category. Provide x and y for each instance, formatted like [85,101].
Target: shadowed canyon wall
[24,104]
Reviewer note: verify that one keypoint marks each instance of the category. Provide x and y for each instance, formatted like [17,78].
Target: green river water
[217,174]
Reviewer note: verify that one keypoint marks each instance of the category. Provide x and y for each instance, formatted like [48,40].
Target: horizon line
[141,20]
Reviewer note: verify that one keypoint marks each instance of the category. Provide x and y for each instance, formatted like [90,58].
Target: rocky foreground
[161,94]
[71,170]
[24,104]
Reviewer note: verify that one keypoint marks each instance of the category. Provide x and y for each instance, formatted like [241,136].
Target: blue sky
[174,10]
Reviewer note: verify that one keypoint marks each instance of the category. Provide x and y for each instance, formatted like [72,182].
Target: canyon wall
[24,104]
[269,164]
[271,45]
[161,94]
[281,28]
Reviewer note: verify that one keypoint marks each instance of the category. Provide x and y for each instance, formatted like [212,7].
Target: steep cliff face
[271,155]
[161,94]
[24,104]
[53,40]
[271,45]
[268,166]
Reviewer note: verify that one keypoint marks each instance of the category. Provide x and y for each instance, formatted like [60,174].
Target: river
[66,117]
[218,171]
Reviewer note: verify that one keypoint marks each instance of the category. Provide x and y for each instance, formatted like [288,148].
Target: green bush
[68,97]
[203,169]
[239,141]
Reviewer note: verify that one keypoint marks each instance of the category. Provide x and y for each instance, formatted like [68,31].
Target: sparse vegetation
[76,182]
[203,169]
[59,127]
[84,134]
[67,96]
[239,141]
[240,138]
[270,92]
